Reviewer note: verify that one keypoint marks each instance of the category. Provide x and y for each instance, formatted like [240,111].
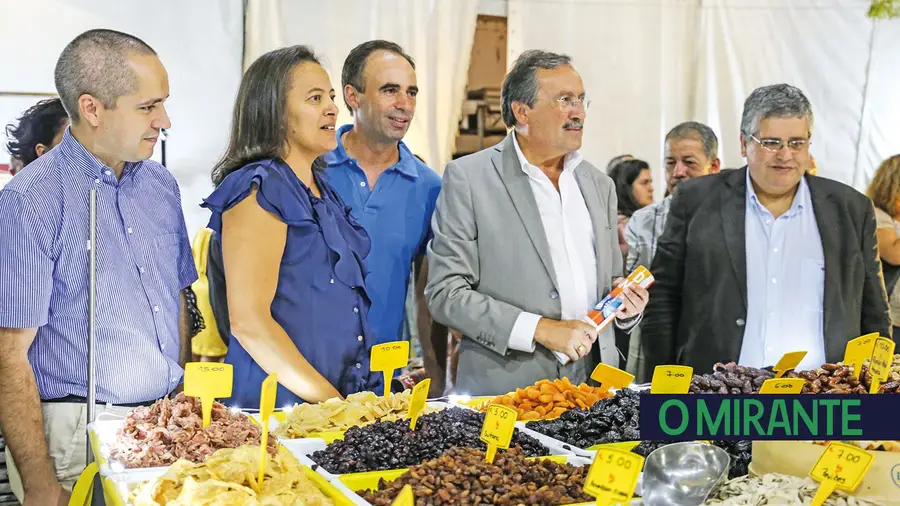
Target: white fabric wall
[438,35]
[200,44]
[650,64]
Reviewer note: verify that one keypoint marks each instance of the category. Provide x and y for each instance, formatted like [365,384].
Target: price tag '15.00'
[209,382]
[497,431]
[841,466]
[613,476]
[671,379]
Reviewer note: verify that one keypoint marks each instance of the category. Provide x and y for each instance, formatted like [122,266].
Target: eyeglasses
[567,102]
[775,145]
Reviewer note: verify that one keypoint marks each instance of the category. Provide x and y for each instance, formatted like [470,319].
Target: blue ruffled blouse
[321,300]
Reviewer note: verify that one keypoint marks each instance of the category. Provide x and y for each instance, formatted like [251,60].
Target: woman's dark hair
[38,125]
[624,175]
[259,120]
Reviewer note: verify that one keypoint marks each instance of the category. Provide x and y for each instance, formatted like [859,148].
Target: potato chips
[228,477]
[358,409]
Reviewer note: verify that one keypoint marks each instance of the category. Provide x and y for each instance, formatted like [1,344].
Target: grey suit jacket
[490,260]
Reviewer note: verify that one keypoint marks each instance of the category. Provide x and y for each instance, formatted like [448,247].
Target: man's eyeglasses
[569,102]
[775,145]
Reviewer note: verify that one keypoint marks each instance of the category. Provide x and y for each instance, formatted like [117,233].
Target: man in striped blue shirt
[113,87]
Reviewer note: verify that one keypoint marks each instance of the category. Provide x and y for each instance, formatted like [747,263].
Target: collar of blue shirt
[406,165]
[801,198]
[77,154]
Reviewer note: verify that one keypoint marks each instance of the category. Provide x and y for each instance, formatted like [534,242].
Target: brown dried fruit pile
[462,477]
[730,378]
[832,379]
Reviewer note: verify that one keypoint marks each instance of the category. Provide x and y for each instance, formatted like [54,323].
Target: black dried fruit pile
[610,420]
[462,477]
[730,378]
[739,451]
[392,445]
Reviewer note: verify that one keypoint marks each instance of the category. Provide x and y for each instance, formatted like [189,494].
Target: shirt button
[554,295]
[97,180]
[362,183]
[331,281]
[359,338]
[774,281]
[768,222]
[356,310]
[162,346]
[740,322]
[141,269]
[775,250]
[107,172]
[155,309]
[358,365]
[129,230]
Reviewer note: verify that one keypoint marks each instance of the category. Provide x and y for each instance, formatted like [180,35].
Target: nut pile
[392,445]
[832,379]
[462,477]
[730,378]
[546,400]
[610,420]
[776,489]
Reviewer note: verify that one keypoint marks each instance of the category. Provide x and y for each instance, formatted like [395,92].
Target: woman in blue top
[293,256]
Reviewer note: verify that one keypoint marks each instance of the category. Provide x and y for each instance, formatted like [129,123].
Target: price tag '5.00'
[498,428]
[613,476]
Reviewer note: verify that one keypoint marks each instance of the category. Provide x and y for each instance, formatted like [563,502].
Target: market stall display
[730,378]
[546,400]
[357,410]
[229,477]
[739,451]
[780,489]
[461,476]
[392,445]
[171,429]
[609,420]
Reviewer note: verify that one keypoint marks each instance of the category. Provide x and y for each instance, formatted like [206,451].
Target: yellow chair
[208,343]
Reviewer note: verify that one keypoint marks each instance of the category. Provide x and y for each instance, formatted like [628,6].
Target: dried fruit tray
[117,489]
[103,435]
[303,448]
[279,417]
[350,484]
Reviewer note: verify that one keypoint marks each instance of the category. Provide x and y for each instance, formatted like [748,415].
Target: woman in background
[634,190]
[39,129]
[884,190]
[292,255]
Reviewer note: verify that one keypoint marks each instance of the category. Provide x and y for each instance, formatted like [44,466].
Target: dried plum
[392,445]
[608,421]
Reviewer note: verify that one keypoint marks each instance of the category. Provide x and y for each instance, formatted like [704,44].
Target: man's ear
[351,97]
[743,146]
[521,110]
[40,149]
[715,166]
[89,109]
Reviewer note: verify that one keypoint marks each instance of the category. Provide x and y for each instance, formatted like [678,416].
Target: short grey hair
[520,85]
[96,63]
[775,101]
[699,132]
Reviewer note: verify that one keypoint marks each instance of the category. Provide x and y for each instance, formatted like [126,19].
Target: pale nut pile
[777,489]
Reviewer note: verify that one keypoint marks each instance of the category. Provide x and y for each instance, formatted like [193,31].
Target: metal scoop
[683,474]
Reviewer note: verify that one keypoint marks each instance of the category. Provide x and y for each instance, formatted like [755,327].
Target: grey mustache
[573,124]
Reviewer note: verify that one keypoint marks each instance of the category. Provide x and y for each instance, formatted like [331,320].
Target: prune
[610,420]
[740,453]
[462,477]
[392,445]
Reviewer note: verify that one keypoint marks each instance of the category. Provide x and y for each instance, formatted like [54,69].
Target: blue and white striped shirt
[143,261]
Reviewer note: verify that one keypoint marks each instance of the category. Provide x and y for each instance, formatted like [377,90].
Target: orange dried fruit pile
[546,400]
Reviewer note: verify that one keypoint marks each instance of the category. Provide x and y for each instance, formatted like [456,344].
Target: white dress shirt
[570,234]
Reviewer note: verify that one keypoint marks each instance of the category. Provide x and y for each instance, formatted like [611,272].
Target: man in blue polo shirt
[390,192]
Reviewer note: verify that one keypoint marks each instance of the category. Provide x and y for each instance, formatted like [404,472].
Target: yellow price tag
[417,401]
[208,381]
[858,350]
[266,407]
[782,386]
[880,363]
[497,431]
[389,357]
[613,476]
[405,497]
[610,377]
[788,362]
[841,466]
[671,379]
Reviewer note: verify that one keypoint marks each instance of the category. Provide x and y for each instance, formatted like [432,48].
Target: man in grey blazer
[525,242]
